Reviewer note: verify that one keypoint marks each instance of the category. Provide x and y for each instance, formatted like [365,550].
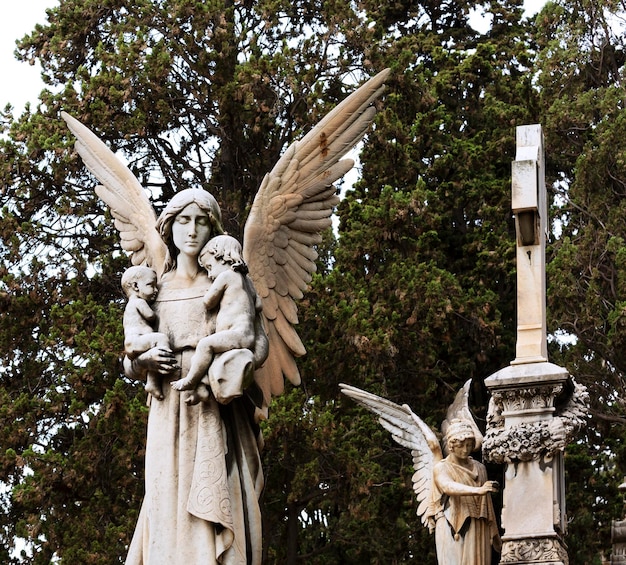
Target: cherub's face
[212,265]
[146,288]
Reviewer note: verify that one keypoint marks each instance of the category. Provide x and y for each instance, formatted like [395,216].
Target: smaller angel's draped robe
[466,525]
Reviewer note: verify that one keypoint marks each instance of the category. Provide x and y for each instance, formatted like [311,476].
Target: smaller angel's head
[458,432]
[204,200]
[226,249]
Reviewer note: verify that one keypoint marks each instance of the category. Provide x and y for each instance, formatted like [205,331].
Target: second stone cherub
[140,286]
[238,304]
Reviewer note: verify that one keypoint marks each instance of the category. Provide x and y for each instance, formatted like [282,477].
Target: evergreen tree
[193,94]
[421,296]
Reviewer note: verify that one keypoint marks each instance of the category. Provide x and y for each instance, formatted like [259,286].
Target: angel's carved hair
[227,249]
[177,204]
[458,431]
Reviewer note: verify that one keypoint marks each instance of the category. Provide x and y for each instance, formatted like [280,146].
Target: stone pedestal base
[618,537]
[535,410]
[547,551]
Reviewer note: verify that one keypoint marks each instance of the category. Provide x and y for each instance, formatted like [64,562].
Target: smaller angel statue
[452,491]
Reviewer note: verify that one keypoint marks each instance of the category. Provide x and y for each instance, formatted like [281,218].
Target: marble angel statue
[203,472]
[451,488]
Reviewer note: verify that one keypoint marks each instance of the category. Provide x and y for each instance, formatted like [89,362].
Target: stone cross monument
[536,407]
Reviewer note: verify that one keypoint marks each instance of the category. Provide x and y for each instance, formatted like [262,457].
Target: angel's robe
[203,474]
[466,525]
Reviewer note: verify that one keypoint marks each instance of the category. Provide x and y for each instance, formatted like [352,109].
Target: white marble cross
[529,202]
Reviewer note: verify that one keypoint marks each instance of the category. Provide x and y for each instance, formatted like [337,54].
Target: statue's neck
[187,274]
[187,267]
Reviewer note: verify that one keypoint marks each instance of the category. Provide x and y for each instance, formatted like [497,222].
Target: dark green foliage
[581,56]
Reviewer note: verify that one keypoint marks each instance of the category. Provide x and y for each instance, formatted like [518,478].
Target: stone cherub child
[238,304]
[140,286]
[452,492]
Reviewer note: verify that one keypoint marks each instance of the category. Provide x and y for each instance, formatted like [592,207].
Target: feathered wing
[120,190]
[409,431]
[460,410]
[292,207]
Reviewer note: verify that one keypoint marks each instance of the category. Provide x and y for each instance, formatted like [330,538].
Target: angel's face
[462,448]
[191,229]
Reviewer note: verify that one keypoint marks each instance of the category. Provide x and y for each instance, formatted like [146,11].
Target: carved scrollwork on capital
[529,398]
[542,550]
[529,440]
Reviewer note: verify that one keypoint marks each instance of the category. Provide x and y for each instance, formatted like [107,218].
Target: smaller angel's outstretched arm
[409,431]
[134,215]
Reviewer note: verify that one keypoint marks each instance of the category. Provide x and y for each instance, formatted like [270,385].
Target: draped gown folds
[203,469]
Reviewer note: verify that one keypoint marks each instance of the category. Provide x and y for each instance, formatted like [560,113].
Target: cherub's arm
[145,311]
[214,295]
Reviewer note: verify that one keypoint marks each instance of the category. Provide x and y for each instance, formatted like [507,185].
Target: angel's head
[204,212]
[226,250]
[460,434]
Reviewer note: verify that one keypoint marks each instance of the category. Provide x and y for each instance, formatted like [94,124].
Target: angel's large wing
[460,410]
[291,209]
[409,431]
[120,190]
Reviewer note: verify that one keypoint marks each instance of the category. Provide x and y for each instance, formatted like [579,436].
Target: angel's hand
[158,359]
[489,486]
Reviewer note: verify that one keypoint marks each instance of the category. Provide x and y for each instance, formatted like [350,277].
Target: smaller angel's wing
[460,410]
[134,215]
[292,207]
[409,431]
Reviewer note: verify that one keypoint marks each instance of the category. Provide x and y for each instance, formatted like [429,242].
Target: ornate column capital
[535,411]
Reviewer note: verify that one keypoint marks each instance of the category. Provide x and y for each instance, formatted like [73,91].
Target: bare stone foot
[182,384]
[201,394]
[192,399]
[154,390]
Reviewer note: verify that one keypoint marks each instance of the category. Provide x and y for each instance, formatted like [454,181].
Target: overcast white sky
[20,81]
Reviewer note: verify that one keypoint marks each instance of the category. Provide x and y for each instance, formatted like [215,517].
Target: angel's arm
[157,360]
[446,484]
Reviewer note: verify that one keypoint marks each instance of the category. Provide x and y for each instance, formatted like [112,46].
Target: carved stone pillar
[618,536]
[536,407]
[535,411]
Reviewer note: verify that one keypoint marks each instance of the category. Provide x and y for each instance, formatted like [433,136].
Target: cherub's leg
[202,393]
[153,385]
[200,362]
